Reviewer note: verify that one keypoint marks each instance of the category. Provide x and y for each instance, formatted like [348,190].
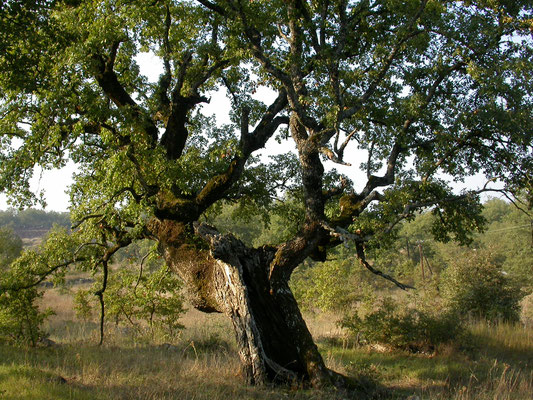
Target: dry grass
[516,339]
[527,310]
[203,364]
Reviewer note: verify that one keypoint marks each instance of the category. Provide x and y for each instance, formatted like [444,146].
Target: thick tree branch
[293,252]
[340,150]
[208,72]
[332,156]
[115,91]
[176,133]
[166,78]
[388,178]
[213,7]
[182,72]
[303,7]
[217,186]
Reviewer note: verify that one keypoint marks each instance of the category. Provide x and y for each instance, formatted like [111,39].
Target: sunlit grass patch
[497,366]
[19,381]
[150,372]
[506,342]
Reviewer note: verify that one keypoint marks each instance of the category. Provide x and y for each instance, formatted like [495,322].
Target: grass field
[202,364]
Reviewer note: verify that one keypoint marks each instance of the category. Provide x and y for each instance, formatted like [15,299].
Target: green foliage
[339,282]
[50,259]
[82,305]
[475,285]
[285,220]
[509,240]
[149,301]
[327,286]
[10,247]
[507,237]
[232,218]
[155,299]
[20,316]
[415,238]
[402,327]
[496,210]
[141,251]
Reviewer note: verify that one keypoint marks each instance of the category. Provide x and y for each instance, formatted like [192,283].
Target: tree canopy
[427,89]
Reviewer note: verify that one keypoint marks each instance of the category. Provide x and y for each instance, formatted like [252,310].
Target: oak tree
[429,91]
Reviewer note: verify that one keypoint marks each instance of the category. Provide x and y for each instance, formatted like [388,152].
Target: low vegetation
[202,363]
[404,328]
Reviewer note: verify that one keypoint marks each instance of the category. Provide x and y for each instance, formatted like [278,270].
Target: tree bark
[272,337]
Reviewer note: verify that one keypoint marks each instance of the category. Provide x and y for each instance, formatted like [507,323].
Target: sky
[56,182]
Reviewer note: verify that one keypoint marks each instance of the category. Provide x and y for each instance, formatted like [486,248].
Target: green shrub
[325,286]
[402,327]
[20,318]
[82,305]
[476,286]
[10,247]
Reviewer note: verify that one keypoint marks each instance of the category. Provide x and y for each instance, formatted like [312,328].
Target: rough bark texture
[272,337]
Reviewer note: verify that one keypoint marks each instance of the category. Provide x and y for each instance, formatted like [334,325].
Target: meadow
[202,363]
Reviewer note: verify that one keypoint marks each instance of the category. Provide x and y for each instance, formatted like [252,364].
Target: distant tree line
[32,222]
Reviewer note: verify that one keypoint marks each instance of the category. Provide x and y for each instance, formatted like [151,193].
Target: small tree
[474,285]
[149,300]
[20,317]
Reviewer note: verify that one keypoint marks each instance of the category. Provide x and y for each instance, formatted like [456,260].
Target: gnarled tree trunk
[272,337]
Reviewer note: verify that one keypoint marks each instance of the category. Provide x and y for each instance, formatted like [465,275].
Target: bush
[10,247]
[82,305]
[476,286]
[402,327]
[20,318]
[326,286]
